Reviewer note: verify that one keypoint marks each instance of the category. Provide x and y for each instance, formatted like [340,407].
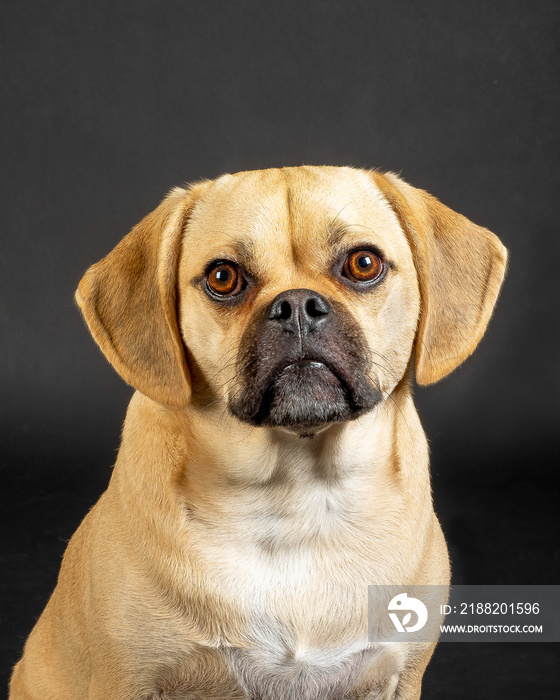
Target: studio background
[106,106]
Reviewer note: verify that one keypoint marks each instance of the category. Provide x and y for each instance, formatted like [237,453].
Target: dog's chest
[304,607]
[271,673]
[292,566]
[276,673]
[284,566]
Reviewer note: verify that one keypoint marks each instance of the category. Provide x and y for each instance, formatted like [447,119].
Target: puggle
[272,463]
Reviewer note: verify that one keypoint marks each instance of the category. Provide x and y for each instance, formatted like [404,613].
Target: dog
[272,462]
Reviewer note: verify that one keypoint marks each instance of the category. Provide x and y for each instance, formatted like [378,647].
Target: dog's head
[295,297]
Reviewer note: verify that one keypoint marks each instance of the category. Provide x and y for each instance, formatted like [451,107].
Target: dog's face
[294,297]
[298,296]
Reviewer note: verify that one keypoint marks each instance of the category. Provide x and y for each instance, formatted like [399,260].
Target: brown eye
[363,266]
[225,279]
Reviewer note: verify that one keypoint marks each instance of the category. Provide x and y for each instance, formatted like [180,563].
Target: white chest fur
[295,558]
[312,674]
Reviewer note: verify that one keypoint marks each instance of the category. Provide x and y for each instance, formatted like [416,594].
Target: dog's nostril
[316,306]
[282,311]
[285,310]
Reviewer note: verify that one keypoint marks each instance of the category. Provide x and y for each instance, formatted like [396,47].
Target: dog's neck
[220,468]
[238,500]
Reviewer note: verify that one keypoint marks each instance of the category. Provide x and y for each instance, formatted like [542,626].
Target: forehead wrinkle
[303,217]
[290,218]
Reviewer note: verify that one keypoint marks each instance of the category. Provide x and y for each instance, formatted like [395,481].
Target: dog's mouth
[305,394]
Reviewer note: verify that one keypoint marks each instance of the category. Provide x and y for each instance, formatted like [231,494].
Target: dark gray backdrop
[106,107]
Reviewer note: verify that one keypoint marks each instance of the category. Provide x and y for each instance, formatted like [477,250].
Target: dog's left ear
[129,301]
[460,267]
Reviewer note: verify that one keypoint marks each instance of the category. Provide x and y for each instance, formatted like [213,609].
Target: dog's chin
[304,398]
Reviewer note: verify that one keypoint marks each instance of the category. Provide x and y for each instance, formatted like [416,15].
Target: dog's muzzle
[302,364]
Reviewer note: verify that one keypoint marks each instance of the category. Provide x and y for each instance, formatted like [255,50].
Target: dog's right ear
[129,302]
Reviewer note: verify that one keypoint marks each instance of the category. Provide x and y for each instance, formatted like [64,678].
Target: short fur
[230,556]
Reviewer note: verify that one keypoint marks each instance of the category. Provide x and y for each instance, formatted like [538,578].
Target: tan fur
[222,557]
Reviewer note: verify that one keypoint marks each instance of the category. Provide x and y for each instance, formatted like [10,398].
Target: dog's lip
[306,364]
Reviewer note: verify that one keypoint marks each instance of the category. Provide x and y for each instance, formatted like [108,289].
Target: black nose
[299,311]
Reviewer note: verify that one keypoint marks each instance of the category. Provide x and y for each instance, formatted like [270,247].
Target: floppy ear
[129,301]
[460,269]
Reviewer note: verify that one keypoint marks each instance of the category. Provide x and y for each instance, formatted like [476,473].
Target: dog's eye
[225,279]
[363,266]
